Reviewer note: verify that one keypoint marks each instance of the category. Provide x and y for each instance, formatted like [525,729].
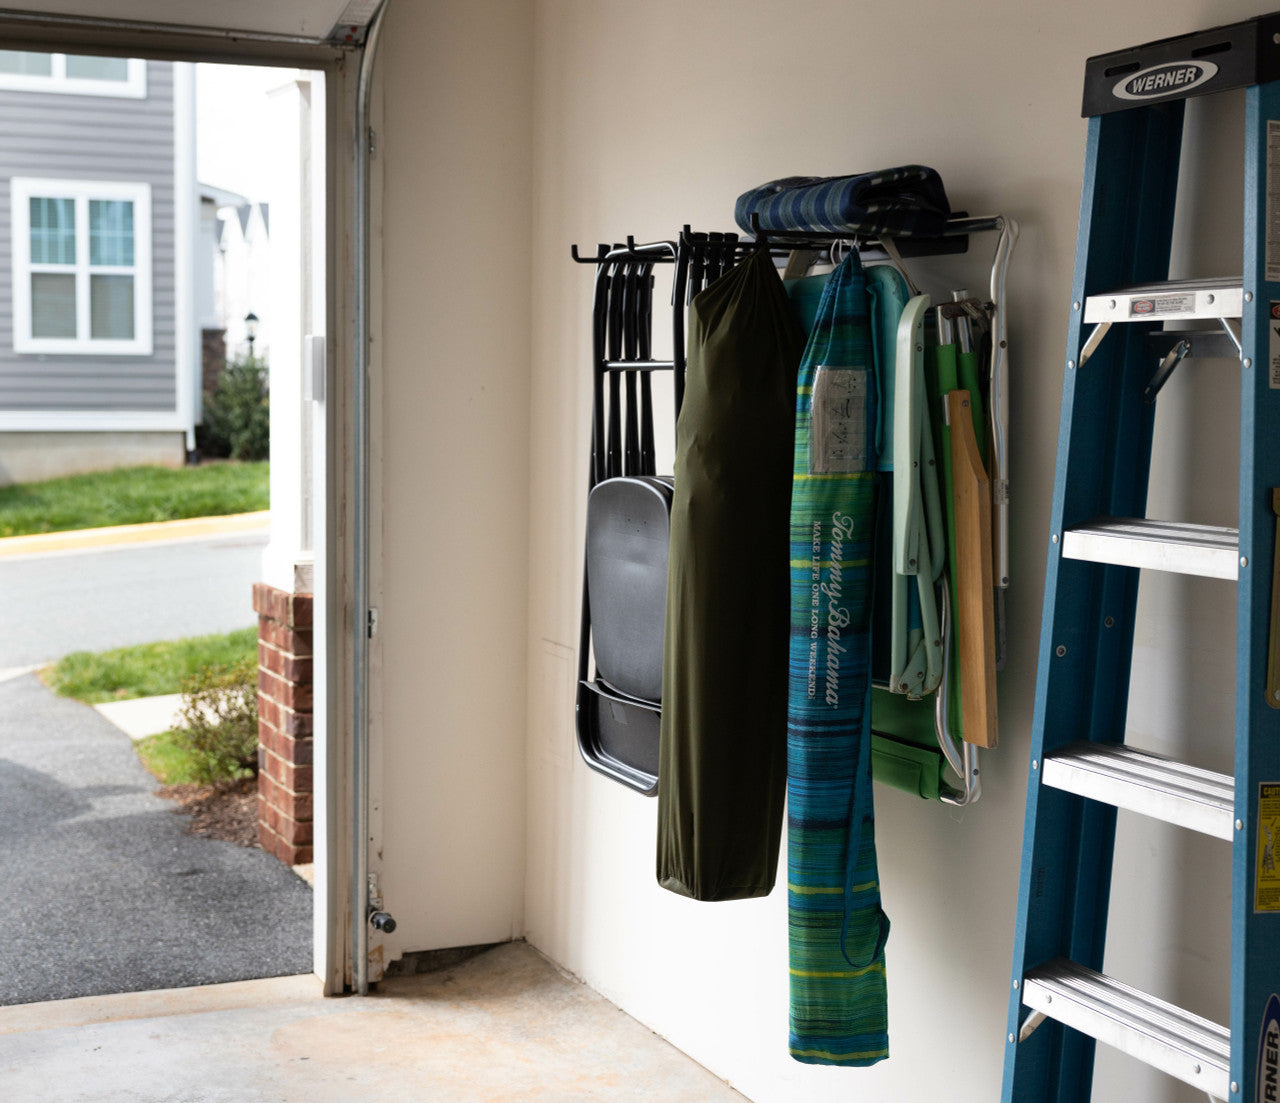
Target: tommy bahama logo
[837,614]
[1160,80]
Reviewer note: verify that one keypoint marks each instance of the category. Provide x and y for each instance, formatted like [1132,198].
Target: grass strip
[133,495]
[148,669]
[167,758]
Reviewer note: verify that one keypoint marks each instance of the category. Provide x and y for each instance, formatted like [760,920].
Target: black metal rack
[618,734]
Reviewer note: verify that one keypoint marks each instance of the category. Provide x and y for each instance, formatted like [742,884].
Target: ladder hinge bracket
[1233,328]
[1175,356]
[1095,339]
[1029,1025]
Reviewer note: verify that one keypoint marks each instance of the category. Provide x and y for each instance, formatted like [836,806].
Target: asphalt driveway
[100,890]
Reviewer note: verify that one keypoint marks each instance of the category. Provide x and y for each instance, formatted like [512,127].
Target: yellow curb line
[146,533]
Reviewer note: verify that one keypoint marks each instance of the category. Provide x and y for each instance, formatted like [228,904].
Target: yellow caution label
[1266,891]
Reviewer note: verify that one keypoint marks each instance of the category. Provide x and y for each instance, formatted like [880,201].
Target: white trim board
[186,220]
[133,87]
[91,421]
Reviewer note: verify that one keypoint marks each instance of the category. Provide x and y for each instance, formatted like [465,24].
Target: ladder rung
[1181,547]
[1222,297]
[1147,783]
[1166,1037]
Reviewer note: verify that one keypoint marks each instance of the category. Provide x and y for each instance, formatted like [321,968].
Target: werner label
[1162,80]
[1268,1079]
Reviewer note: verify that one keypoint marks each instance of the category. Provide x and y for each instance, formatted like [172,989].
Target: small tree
[237,414]
[220,713]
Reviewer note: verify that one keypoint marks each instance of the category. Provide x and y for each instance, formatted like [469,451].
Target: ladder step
[1166,1037]
[1221,297]
[1150,784]
[1205,550]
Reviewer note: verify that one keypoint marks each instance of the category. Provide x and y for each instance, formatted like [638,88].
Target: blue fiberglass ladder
[1118,356]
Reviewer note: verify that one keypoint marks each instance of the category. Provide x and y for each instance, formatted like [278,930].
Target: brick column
[285,698]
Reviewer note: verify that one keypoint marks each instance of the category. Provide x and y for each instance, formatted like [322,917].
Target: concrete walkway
[501,1027]
[144,716]
[103,892]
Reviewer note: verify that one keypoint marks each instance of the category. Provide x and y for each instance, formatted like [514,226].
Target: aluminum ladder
[1118,356]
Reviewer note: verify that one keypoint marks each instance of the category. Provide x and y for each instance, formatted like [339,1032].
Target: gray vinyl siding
[67,137]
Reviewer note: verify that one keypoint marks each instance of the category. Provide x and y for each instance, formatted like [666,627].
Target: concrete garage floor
[504,1027]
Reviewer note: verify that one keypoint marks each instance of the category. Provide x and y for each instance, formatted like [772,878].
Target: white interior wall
[512,130]
[450,444]
[650,116]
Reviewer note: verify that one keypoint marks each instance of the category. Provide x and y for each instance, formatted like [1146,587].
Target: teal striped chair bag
[837,928]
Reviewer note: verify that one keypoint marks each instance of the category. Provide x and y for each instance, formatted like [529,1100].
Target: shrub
[220,711]
[237,414]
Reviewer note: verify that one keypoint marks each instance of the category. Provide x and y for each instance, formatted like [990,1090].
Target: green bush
[220,713]
[237,414]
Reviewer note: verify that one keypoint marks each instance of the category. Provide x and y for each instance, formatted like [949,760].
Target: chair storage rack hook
[617,729]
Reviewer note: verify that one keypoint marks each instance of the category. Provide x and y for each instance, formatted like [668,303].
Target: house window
[81,266]
[74,74]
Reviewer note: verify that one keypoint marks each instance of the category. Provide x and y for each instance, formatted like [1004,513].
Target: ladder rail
[1095,557]
[1255,924]
[1087,629]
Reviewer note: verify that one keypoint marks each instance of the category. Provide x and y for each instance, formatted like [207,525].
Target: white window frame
[133,87]
[21,190]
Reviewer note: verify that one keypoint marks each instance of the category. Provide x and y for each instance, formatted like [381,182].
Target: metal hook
[602,251]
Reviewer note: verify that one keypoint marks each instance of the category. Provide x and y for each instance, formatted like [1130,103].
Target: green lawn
[148,669]
[130,495]
[168,758]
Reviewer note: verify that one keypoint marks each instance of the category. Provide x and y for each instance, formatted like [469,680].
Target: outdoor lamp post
[251,330]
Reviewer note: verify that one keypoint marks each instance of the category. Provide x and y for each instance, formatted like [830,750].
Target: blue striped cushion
[904,201]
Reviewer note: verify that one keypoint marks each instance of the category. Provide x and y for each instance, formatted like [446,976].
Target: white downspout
[186,219]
